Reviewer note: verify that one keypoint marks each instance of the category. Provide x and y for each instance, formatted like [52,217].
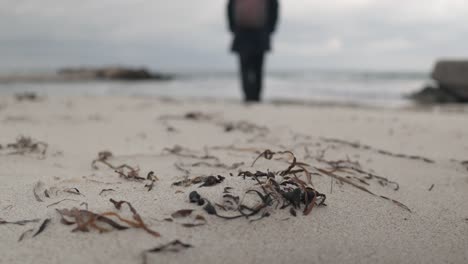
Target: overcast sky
[192,34]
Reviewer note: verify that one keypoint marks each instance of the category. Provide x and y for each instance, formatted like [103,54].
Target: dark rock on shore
[112,73]
[451,84]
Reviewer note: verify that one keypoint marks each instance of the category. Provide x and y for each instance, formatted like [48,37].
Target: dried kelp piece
[139,221]
[106,190]
[20,222]
[182,213]
[73,191]
[345,180]
[218,165]
[126,171]
[25,145]
[380,151]
[180,151]
[245,127]
[189,181]
[36,188]
[23,235]
[131,174]
[85,220]
[197,116]
[42,227]
[153,178]
[199,221]
[103,156]
[174,246]
[63,200]
[292,212]
[397,203]
[212,180]
[343,165]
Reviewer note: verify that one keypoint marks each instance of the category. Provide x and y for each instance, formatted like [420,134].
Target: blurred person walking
[252,23]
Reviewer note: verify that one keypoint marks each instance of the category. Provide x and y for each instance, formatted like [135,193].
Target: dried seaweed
[344,165]
[85,220]
[174,246]
[24,145]
[63,200]
[139,221]
[380,151]
[244,127]
[180,151]
[348,181]
[212,180]
[153,178]
[432,187]
[124,170]
[106,190]
[38,185]
[42,227]
[21,237]
[20,222]
[182,213]
[73,191]
[234,166]
[103,156]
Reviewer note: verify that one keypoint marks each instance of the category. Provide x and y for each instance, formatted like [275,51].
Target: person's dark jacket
[253,40]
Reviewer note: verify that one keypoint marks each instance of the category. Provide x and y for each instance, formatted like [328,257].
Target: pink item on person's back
[250,13]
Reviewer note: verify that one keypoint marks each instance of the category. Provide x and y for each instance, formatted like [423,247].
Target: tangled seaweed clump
[281,189]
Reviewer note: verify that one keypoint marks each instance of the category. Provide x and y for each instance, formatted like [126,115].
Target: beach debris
[273,189]
[129,173]
[380,151]
[26,145]
[182,213]
[42,227]
[153,178]
[244,127]
[23,235]
[432,187]
[197,220]
[63,200]
[212,180]
[86,220]
[106,190]
[234,166]
[173,246]
[124,170]
[180,151]
[73,191]
[37,186]
[138,220]
[20,222]
[103,156]
[362,188]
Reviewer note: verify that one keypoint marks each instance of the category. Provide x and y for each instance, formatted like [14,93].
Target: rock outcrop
[112,73]
[451,83]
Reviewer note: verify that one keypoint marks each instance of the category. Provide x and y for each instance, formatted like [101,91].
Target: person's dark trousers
[252,75]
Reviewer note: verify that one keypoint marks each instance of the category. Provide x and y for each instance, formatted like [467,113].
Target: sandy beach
[395,181]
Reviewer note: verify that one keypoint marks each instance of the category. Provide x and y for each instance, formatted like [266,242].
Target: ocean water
[368,88]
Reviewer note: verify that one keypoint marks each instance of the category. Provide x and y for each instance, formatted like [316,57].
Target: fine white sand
[355,227]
